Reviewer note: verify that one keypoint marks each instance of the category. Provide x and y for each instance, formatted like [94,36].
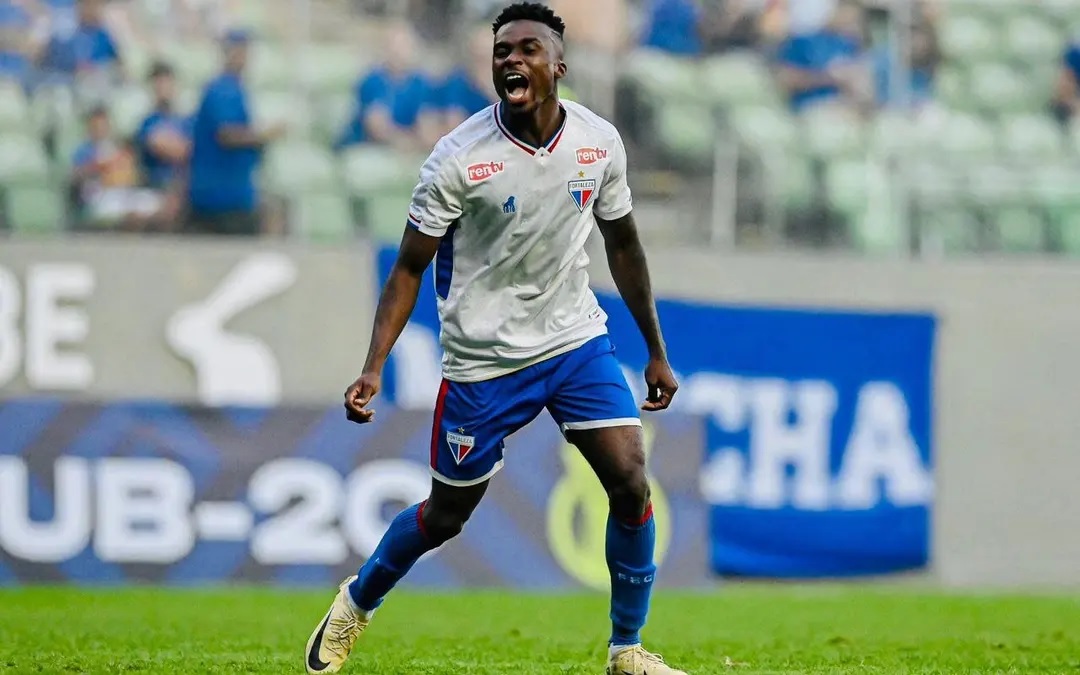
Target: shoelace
[341,635]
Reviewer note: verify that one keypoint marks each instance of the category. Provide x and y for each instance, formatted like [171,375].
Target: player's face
[526,64]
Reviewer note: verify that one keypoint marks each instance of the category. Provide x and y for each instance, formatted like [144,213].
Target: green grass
[783,629]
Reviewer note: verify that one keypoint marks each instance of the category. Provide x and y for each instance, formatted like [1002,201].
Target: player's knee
[442,525]
[629,493]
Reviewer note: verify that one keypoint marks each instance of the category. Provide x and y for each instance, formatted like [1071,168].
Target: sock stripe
[645,517]
[420,519]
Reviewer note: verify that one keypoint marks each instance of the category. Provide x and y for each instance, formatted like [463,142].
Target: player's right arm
[436,204]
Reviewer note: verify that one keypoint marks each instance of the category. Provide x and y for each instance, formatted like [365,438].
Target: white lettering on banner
[372,486]
[417,368]
[49,325]
[304,533]
[233,369]
[787,460]
[881,450]
[10,338]
[143,510]
[67,533]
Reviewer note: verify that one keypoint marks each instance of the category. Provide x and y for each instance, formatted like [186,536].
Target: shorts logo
[460,444]
[582,191]
[587,156]
[481,172]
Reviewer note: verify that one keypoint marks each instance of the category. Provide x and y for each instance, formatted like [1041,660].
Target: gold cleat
[334,637]
[636,661]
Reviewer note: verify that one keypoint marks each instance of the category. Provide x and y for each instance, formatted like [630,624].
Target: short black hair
[530,11]
[160,68]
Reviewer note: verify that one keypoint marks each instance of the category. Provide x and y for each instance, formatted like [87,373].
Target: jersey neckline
[549,146]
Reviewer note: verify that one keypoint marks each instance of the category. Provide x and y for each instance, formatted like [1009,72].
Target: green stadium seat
[765,129]
[687,130]
[369,169]
[790,179]
[876,231]
[664,76]
[22,160]
[996,186]
[271,107]
[196,63]
[332,113]
[951,86]
[330,68]
[1055,188]
[273,67]
[325,218]
[967,136]
[966,38]
[1069,234]
[1031,39]
[295,167]
[14,109]
[34,209]
[1033,137]
[738,79]
[127,109]
[1020,230]
[834,132]
[948,230]
[997,87]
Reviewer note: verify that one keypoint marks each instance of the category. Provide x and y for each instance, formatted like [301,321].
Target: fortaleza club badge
[460,444]
[582,191]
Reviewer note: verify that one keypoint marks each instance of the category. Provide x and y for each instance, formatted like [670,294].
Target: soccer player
[504,205]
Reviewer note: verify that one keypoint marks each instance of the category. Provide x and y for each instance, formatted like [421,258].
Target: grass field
[769,630]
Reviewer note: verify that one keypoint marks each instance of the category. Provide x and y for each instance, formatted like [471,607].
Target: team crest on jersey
[479,173]
[582,191]
[460,444]
[587,156]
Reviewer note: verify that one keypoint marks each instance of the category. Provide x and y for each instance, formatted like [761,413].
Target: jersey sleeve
[614,200]
[437,198]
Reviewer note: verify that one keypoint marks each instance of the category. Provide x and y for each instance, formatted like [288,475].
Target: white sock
[367,614]
[615,649]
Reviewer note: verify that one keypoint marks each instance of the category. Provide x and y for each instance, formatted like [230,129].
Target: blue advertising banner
[818,442]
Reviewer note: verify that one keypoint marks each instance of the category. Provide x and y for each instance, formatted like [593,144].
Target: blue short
[583,389]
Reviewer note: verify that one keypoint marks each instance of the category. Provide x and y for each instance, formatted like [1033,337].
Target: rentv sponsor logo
[485,170]
[588,156]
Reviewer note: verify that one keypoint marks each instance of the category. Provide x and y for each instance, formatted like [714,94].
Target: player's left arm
[630,270]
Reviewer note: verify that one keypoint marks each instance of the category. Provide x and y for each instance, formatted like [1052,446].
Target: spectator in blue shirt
[826,66]
[925,57]
[88,50]
[393,102]
[15,42]
[226,151]
[468,88]
[163,142]
[1066,102]
[672,26]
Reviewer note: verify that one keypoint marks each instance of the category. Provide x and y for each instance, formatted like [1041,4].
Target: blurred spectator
[594,26]
[809,16]
[105,178]
[163,142]
[393,102]
[86,49]
[827,66]
[741,24]
[226,151]
[672,26]
[1066,101]
[468,89]
[16,52]
[925,58]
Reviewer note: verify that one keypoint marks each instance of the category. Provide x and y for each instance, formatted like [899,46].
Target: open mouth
[517,88]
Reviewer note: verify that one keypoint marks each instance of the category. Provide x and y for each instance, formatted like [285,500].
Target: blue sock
[630,560]
[401,546]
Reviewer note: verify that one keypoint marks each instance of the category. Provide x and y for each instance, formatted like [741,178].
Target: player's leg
[597,412]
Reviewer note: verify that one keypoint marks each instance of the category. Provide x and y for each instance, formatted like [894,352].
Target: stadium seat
[332,113]
[1055,188]
[738,79]
[372,169]
[1020,230]
[324,218]
[687,131]
[22,160]
[996,186]
[34,209]
[663,76]
[765,129]
[1032,137]
[948,230]
[273,66]
[270,107]
[1069,234]
[967,38]
[295,167]
[384,215]
[834,132]
[14,109]
[791,180]
[997,87]
[1032,40]
[330,68]
[196,63]
[127,109]
[952,87]
[876,231]
[967,136]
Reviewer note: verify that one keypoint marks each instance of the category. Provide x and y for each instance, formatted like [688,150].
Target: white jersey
[511,271]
